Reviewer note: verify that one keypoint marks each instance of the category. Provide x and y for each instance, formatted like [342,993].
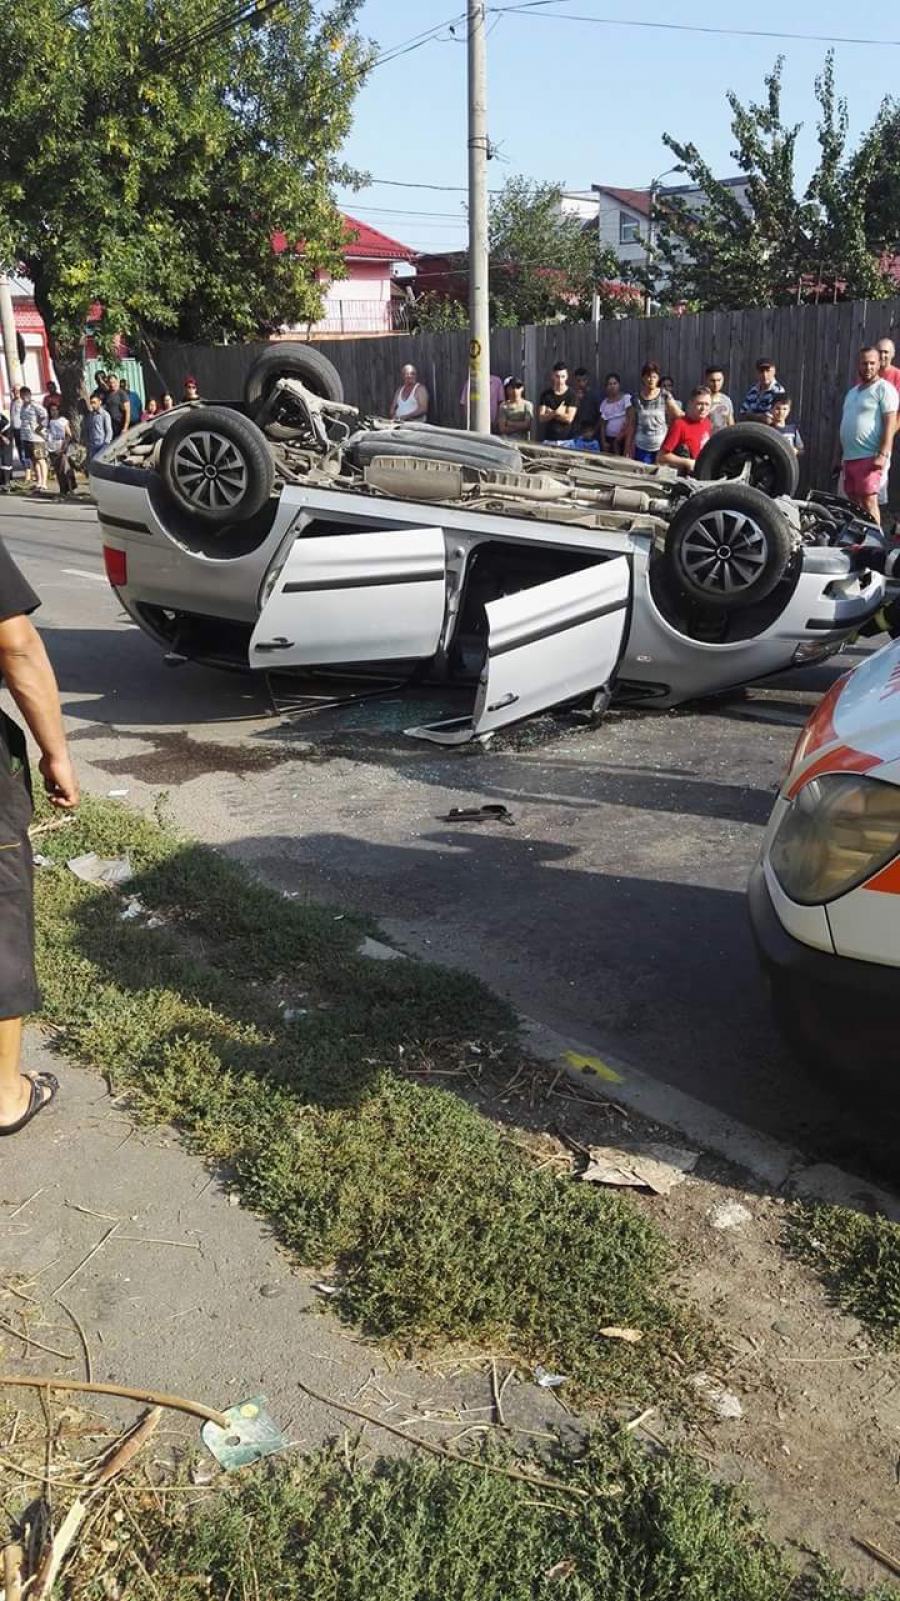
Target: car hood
[855,727]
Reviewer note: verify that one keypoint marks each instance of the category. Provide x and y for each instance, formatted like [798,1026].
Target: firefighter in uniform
[26,673]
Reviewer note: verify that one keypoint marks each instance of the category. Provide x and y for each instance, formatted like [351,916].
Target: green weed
[439,1228]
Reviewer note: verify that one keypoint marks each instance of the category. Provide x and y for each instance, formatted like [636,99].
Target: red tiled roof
[28,318]
[634,199]
[368,245]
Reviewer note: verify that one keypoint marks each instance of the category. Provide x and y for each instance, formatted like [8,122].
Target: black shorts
[26,451]
[19,992]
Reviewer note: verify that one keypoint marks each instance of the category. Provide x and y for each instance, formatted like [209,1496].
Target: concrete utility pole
[479,315]
[10,343]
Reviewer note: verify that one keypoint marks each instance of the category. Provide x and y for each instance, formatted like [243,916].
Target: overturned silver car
[288,533]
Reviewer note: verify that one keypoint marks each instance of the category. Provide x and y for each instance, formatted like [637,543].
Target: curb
[770,1161]
[779,1166]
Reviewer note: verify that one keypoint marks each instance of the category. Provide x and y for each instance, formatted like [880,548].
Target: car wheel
[217,465]
[435,444]
[290,359]
[728,546]
[774,467]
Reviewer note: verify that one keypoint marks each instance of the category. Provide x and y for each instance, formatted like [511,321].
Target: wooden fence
[815,349]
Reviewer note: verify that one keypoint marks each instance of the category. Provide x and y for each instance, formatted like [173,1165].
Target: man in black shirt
[557,406]
[118,405]
[29,678]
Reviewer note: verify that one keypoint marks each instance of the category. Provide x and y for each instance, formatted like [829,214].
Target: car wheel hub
[210,470]
[724,552]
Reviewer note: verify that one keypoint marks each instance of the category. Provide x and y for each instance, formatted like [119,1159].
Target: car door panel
[546,645]
[372,596]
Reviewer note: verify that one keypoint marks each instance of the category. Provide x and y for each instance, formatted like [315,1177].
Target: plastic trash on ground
[106,870]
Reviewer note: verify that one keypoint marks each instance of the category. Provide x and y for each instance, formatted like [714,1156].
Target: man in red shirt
[687,435]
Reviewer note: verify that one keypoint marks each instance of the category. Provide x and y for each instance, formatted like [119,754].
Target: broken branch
[534,1479]
[175,1403]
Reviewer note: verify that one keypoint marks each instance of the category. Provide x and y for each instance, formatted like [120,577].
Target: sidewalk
[218,1314]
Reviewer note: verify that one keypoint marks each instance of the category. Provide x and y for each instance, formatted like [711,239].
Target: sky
[581,102]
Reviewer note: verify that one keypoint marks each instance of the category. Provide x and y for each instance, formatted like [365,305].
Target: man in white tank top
[410,402]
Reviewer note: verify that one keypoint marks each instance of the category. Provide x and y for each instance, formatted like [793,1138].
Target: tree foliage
[777,245]
[147,161]
[545,265]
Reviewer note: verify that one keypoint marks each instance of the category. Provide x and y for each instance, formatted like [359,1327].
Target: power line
[537,8]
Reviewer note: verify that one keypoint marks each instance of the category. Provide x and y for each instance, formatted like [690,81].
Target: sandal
[36,1101]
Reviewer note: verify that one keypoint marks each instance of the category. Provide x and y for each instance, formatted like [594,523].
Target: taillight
[116,563]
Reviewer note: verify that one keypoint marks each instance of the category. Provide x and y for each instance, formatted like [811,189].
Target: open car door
[373,596]
[546,645]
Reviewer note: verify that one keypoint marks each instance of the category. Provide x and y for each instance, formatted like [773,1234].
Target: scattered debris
[116,794]
[549,1381]
[640,1420]
[724,1403]
[292,1014]
[729,1215]
[644,1166]
[630,1336]
[493,812]
[879,1554]
[106,870]
[250,1432]
[378,952]
[560,1570]
[42,861]
[328,1289]
[133,908]
[535,1480]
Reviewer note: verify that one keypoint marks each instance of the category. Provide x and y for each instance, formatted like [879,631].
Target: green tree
[545,264]
[775,245]
[152,147]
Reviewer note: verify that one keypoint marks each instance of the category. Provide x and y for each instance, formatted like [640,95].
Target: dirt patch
[818,1441]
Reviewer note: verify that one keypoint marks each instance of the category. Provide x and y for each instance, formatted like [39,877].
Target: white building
[622,216]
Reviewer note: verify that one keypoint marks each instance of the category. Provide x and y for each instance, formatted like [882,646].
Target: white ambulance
[825,894]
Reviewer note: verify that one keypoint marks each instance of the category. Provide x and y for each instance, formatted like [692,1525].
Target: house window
[629,229]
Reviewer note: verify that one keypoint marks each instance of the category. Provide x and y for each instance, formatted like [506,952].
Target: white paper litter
[377,952]
[42,861]
[133,909]
[724,1403]
[643,1166]
[94,869]
[115,793]
[549,1381]
[729,1215]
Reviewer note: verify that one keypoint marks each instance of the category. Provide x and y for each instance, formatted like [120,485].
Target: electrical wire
[537,8]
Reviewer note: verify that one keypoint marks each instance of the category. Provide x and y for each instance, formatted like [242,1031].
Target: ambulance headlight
[841,829]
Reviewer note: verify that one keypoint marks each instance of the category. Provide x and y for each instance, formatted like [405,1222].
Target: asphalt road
[613,909]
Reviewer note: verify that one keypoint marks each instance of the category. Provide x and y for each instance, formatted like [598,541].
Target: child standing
[781,411]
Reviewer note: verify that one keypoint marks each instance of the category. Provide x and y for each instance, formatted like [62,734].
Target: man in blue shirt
[757,403]
[96,428]
[868,425]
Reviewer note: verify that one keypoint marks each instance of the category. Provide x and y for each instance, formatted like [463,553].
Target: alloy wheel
[210,470]
[724,552]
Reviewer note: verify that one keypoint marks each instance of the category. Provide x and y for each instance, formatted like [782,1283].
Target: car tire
[435,444]
[288,358]
[728,546]
[217,466]
[774,467]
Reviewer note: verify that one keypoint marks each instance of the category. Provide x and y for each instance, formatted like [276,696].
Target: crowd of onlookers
[650,423]
[40,435]
[647,422]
